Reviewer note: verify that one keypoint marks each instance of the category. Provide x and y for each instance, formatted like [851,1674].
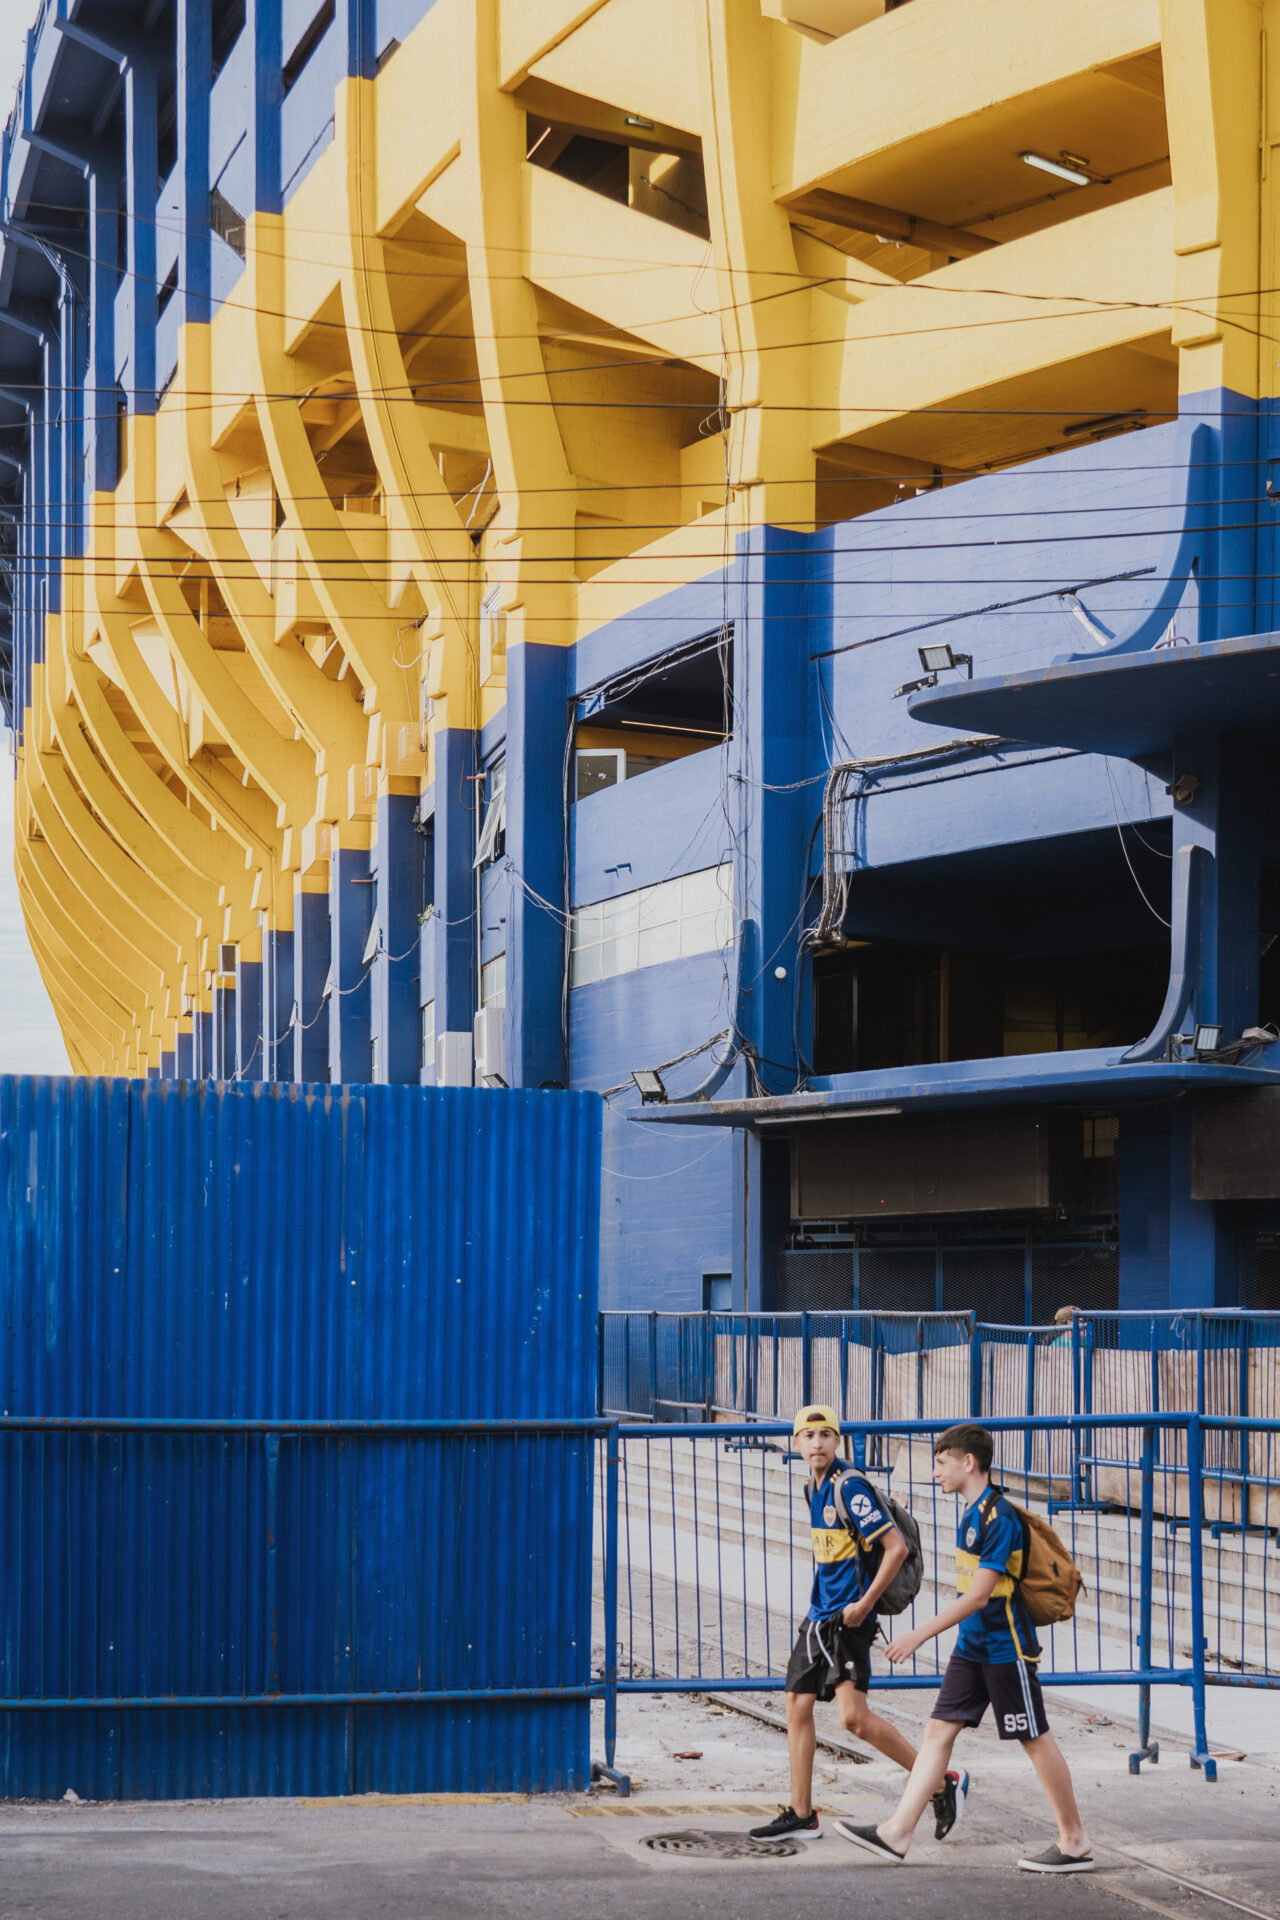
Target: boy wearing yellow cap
[853,1564]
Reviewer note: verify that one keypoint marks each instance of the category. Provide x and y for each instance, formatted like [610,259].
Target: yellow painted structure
[809,272]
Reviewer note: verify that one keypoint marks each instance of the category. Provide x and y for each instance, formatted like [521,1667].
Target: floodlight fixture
[1063,169]
[649,1086]
[936,659]
[1208,1039]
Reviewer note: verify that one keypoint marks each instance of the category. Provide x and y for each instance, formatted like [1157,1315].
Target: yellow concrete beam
[1054,300]
[639,55]
[843,114]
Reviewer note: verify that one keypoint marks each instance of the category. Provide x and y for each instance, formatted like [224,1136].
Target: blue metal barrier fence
[705,1574]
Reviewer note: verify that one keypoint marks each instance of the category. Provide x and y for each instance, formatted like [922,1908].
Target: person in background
[1063,1318]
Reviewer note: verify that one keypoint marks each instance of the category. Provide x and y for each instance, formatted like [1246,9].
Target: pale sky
[29,1037]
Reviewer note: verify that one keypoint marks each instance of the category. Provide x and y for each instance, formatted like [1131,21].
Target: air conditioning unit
[491,1054]
[453,1059]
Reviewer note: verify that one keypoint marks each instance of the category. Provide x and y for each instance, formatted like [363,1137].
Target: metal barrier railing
[885,1366]
[706,1564]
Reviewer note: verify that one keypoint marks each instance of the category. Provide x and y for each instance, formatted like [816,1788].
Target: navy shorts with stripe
[1011,1688]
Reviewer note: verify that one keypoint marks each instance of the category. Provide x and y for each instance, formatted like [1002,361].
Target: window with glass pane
[669,921]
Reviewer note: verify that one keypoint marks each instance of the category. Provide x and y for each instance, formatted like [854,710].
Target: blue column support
[104,201]
[455,905]
[769,752]
[278,997]
[194,20]
[396,1012]
[351,998]
[263,23]
[185,1061]
[142,167]
[310,972]
[250,1047]
[537,716]
[223,1064]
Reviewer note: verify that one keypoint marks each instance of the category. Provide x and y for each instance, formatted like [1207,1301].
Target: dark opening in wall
[228,24]
[668,708]
[168,287]
[668,186]
[315,33]
[896,1005]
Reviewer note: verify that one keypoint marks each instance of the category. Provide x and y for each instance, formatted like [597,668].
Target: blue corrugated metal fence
[317,1275]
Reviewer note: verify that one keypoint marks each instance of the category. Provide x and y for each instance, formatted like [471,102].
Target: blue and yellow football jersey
[990,1535]
[845,1559]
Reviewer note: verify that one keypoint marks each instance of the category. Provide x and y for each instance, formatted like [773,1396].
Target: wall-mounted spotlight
[935,659]
[1185,788]
[649,1086]
[940,658]
[1207,1039]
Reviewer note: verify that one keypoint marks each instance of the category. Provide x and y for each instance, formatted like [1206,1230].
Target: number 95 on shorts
[1011,1689]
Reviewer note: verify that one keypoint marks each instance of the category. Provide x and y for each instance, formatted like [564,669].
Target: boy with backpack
[858,1551]
[1003,1558]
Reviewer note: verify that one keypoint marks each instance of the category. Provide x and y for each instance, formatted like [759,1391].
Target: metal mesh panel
[989,1282]
[821,1280]
[897,1279]
[1087,1277]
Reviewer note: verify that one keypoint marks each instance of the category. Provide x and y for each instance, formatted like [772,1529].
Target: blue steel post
[600,1395]
[1148,1749]
[1031,1400]
[1077,1433]
[975,1371]
[806,1362]
[1200,1756]
[609,1771]
[653,1366]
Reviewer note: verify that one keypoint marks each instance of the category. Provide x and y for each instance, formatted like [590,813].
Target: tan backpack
[1051,1582]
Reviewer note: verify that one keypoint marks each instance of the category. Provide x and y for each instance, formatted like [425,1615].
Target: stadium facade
[734,541]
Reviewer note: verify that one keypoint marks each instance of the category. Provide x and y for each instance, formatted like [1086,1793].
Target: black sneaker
[948,1806]
[1054,1860]
[869,1840]
[787,1826]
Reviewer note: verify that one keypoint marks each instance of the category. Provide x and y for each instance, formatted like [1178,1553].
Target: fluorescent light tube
[1073,174]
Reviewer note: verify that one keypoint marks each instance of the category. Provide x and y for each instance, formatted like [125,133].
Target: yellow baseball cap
[816,1417]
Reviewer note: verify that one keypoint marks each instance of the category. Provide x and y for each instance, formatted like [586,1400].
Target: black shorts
[827,1655]
[1012,1689]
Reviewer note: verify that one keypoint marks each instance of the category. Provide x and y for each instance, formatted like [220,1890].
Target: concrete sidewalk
[565,1857]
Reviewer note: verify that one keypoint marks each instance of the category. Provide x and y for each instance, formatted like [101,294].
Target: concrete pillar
[395,1008]
[250,1047]
[453,945]
[310,972]
[351,995]
[537,717]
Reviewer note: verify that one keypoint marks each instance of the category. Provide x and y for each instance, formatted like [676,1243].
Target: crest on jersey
[829,1516]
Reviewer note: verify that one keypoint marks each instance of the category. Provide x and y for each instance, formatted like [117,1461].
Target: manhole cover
[696,1843]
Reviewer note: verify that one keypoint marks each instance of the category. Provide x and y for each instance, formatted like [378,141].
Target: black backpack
[906,1582]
